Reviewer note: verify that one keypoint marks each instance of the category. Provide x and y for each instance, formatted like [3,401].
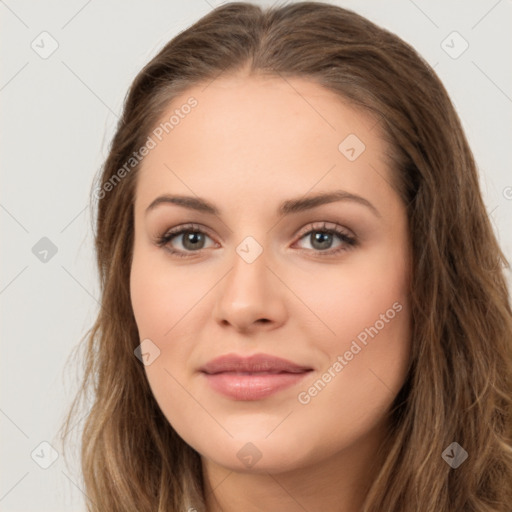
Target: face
[269,268]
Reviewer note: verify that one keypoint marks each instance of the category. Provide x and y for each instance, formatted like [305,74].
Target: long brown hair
[459,386]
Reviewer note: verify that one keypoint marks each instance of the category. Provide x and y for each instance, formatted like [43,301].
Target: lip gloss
[252,386]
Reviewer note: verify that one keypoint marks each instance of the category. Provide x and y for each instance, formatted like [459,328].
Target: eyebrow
[288,207]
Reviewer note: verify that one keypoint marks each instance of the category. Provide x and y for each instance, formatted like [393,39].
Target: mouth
[250,386]
[252,377]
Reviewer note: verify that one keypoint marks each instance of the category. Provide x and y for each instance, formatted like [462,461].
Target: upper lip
[252,364]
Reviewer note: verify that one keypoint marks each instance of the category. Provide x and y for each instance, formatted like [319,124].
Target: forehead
[264,134]
[244,107]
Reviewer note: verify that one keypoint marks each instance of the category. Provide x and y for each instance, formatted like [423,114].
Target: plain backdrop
[58,115]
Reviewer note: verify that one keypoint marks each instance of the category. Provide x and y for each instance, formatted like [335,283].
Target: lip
[252,364]
[254,377]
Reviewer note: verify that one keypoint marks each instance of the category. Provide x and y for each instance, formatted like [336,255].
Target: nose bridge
[250,291]
[248,278]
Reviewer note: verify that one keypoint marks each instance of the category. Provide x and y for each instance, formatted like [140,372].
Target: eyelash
[350,241]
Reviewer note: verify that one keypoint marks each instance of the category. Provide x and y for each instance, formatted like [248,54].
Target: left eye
[322,239]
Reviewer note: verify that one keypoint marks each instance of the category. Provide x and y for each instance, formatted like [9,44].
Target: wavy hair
[459,384]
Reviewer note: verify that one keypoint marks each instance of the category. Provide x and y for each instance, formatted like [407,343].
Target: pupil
[192,238]
[323,239]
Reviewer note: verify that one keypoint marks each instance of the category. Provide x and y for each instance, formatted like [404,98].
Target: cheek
[167,303]
[157,306]
[160,301]
[365,364]
[367,346]
[161,297]
[351,297]
[369,355]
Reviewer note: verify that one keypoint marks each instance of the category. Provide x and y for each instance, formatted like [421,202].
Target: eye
[192,239]
[321,239]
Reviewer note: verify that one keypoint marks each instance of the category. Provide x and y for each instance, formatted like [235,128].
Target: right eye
[192,239]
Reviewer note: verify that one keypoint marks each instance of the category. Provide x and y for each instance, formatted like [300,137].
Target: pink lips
[252,378]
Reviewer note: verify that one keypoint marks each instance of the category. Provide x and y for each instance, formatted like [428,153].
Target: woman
[303,301]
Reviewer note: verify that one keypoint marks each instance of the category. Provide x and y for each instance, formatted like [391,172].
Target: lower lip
[252,386]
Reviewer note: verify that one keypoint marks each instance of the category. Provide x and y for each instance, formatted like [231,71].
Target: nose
[251,297]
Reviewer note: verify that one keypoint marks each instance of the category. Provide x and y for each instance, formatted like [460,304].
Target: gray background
[58,115]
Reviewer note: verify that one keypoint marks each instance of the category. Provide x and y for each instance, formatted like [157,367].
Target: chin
[254,454]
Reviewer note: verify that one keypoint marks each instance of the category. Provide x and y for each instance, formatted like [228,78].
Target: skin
[250,144]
